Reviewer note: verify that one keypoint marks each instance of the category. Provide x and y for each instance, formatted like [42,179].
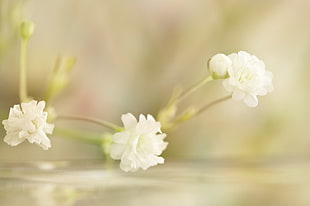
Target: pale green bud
[60,76]
[106,143]
[52,115]
[166,114]
[189,113]
[26,29]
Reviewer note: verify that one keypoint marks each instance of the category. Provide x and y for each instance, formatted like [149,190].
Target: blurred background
[131,54]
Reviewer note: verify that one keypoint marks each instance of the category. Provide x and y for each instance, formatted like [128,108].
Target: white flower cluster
[140,144]
[245,76]
[28,122]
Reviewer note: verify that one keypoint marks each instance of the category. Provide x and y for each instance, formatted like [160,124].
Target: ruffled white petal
[49,128]
[148,125]
[129,120]
[139,145]
[121,137]
[116,151]
[247,78]
[13,139]
[28,122]
[238,95]
[251,100]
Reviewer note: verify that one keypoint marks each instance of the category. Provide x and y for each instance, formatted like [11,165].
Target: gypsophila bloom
[248,78]
[140,144]
[218,66]
[28,122]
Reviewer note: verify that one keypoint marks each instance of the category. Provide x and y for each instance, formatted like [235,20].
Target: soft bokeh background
[131,54]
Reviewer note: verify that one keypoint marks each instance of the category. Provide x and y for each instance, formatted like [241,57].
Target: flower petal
[13,139]
[238,95]
[121,137]
[251,100]
[247,78]
[28,121]
[139,145]
[49,128]
[116,151]
[148,125]
[129,120]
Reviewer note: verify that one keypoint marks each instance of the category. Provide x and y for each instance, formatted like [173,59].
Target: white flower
[28,121]
[140,144]
[248,78]
[218,66]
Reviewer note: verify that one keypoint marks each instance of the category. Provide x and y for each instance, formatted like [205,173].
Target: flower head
[247,78]
[28,121]
[218,66]
[140,144]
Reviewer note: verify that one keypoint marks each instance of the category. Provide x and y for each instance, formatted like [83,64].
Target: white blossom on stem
[27,121]
[248,78]
[140,144]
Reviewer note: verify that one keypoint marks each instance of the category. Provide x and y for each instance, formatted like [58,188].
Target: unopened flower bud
[218,66]
[26,29]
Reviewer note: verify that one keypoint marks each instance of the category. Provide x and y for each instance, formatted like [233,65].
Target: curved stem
[194,88]
[22,72]
[199,111]
[210,104]
[90,138]
[92,120]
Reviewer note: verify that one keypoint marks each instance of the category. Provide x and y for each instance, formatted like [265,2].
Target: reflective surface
[174,183]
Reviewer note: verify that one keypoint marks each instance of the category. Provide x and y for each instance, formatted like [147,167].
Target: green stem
[92,120]
[207,106]
[22,72]
[90,138]
[201,110]
[194,88]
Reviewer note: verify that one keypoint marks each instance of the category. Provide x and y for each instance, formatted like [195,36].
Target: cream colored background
[130,55]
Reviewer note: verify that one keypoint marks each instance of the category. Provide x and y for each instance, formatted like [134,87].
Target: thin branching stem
[193,88]
[91,120]
[210,104]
